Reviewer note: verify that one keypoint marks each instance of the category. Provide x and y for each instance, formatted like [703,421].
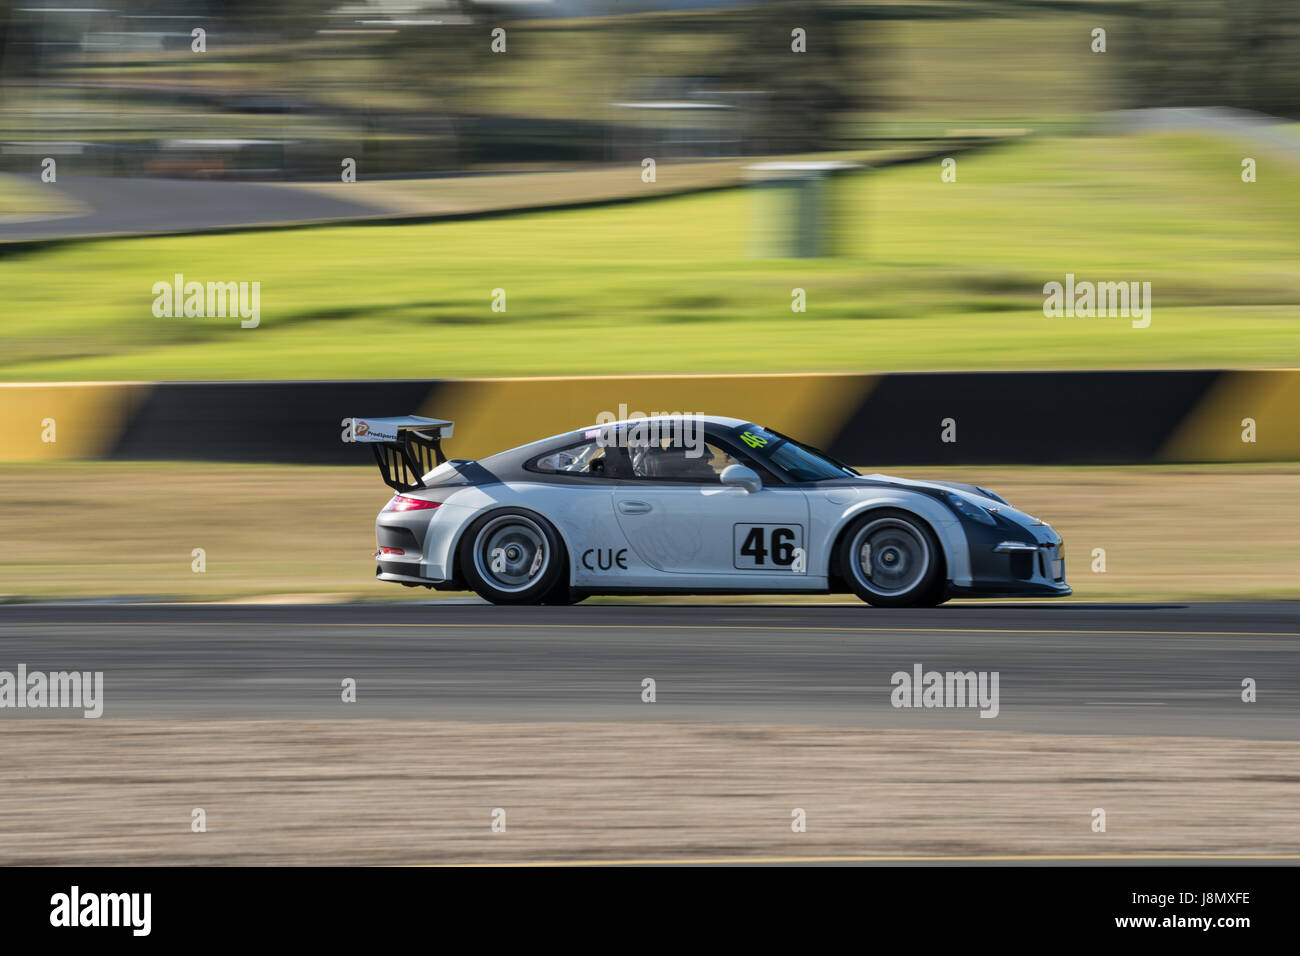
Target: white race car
[694,504]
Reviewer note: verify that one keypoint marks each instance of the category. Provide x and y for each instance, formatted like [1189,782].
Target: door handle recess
[634,507]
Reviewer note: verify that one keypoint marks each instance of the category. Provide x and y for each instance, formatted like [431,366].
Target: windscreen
[785,455]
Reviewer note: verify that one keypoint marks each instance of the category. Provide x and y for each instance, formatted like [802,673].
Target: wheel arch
[953,548]
[457,573]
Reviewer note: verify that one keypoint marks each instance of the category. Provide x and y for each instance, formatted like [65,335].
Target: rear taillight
[391,551]
[403,503]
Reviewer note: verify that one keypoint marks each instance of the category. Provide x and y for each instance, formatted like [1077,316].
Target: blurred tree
[1238,53]
[809,99]
[17,41]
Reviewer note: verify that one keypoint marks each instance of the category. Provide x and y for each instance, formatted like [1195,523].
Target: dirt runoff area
[407,792]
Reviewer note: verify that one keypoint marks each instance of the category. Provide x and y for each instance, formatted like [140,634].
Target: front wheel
[564,595]
[513,557]
[892,559]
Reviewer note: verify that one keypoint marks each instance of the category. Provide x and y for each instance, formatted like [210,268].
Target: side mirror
[746,478]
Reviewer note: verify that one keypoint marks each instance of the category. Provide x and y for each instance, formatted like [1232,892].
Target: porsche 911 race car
[693,504]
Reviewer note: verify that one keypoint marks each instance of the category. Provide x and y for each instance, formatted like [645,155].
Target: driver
[675,461]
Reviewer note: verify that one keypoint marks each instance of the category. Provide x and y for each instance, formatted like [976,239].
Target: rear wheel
[513,557]
[892,559]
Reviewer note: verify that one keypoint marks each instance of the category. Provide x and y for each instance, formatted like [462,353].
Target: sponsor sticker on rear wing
[406,448]
[390,429]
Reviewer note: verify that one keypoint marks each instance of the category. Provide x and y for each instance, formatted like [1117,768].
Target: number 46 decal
[770,547]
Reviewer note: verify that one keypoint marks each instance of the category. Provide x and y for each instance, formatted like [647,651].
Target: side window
[587,458]
[700,463]
[736,455]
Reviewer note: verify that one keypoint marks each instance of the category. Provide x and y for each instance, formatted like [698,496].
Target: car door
[692,524]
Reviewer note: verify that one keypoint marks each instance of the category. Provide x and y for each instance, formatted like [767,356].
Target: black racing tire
[904,564]
[513,556]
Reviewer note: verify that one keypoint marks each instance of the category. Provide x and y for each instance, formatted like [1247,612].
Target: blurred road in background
[1255,129]
[120,206]
[1158,669]
[90,206]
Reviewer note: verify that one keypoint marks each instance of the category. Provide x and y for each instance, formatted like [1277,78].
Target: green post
[793,212]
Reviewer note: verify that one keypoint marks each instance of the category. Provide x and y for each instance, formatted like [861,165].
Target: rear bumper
[408,573]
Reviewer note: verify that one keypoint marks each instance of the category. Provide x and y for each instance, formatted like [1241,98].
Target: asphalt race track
[1069,668]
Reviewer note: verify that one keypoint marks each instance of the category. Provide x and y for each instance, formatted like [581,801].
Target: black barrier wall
[940,418]
[1021,417]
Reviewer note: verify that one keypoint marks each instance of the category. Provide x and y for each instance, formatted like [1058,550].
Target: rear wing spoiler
[406,448]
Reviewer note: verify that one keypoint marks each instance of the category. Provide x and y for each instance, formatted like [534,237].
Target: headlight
[969,509]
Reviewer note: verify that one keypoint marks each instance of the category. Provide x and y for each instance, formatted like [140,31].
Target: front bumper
[1015,560]
[1010,589]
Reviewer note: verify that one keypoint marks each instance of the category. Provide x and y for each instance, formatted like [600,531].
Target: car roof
[721,421]
[520,453]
